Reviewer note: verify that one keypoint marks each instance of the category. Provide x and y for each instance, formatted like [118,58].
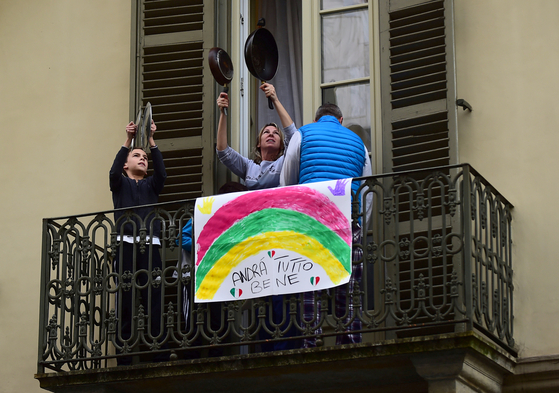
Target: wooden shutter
[419,131]
[171,76]
[417,79]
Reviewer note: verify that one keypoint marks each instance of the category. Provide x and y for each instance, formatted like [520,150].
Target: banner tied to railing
[274,241]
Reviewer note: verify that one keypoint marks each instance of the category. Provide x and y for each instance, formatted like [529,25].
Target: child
[135,189]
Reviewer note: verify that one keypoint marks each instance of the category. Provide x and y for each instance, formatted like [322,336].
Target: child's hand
[152,128]
[131,130]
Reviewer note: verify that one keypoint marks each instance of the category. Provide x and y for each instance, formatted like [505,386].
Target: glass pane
[345,46]
[329,4]
[355,103]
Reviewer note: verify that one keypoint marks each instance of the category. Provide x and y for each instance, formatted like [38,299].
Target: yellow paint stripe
[286,240]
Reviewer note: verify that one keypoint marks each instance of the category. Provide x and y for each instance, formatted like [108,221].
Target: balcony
[435,291]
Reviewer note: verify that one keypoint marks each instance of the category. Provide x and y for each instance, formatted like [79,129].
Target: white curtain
[283,20]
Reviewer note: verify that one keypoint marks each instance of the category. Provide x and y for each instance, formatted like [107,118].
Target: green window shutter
[417,84]
[171,72]
[419,131]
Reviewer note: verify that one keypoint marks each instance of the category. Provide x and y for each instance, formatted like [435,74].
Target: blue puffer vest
[330,151]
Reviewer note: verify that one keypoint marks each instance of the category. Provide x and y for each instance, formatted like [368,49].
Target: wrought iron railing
[433,253]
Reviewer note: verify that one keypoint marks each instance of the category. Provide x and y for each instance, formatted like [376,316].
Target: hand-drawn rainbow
[298,219]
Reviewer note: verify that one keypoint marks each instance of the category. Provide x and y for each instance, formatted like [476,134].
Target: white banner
[274,241]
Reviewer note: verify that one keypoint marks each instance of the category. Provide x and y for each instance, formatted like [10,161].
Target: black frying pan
[221,67]
[261,56]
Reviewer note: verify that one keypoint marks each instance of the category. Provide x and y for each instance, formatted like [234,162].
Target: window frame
[312,69]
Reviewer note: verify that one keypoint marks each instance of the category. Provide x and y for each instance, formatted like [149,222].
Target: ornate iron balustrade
[434,254]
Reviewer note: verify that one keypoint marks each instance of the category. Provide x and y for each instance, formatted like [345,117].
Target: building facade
[77,72]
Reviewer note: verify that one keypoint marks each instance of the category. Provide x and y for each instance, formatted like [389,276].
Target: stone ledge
[386,365]
[534,375]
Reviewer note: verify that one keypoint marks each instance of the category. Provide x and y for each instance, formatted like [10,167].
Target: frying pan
[221,67]
[261,56]
[143,122]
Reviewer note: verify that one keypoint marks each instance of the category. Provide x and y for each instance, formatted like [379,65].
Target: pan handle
[270,104]
[225,90]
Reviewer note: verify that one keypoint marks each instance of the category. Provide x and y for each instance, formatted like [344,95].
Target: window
[345,63]
[388,65]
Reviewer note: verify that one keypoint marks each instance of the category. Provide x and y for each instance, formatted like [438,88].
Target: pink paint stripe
[301,199]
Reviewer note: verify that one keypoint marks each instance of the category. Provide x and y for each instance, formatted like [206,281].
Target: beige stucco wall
[64,102]
[507,69]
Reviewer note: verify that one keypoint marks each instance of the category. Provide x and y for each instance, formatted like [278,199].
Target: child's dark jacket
[128,192]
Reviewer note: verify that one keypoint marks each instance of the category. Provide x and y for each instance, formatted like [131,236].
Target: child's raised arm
[153,127]
[130,133]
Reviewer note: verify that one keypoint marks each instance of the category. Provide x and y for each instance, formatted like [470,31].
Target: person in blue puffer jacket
[320,151]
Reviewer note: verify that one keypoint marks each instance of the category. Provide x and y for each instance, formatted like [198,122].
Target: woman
[261,172]
[264,170]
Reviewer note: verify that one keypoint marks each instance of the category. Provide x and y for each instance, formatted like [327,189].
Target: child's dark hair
[132,148]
